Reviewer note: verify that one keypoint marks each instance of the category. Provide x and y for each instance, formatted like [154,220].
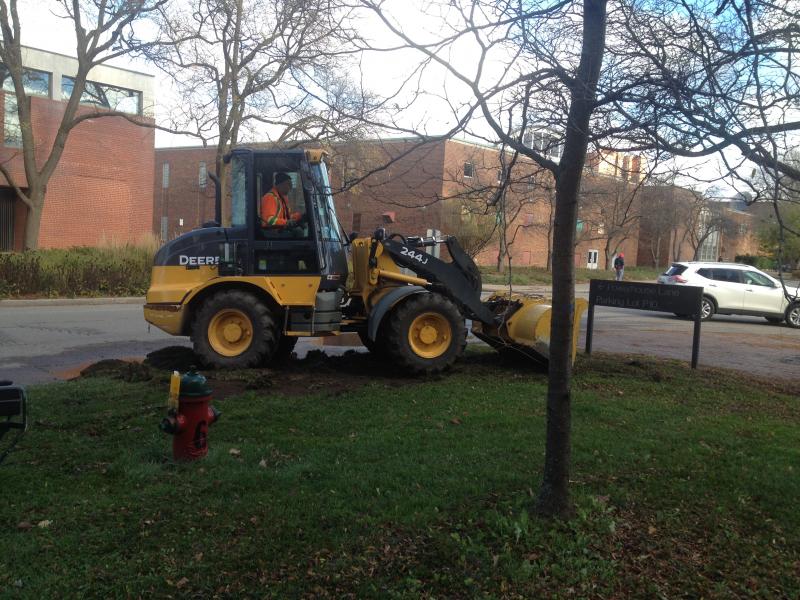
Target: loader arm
[459,280]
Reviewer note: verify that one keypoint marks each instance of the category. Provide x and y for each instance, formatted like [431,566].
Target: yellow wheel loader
[246,293]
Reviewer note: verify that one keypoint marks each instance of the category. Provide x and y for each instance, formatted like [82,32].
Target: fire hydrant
[189,415]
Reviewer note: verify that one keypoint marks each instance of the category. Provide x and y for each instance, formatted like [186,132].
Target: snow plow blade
[524,330]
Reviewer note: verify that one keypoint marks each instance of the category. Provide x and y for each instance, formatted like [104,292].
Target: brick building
[411,188]
[101,189]
[679,224]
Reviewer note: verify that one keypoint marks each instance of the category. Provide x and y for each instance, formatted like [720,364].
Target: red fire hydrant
[189,421]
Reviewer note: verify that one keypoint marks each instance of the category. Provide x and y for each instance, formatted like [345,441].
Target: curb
[69,301]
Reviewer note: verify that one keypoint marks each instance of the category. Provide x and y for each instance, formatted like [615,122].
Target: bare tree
[630,75]
[269,69]
[610,209]
[665,212]
[103,31]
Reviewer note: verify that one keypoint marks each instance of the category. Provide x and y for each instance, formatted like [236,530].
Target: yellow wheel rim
[230,332]
[430,335]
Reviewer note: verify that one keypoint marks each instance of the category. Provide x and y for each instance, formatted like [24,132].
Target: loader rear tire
[284,349]
[425,334]
[234,330]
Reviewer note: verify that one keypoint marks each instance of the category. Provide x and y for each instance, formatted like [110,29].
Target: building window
[35,83]
[12,132]
[356,222]
[469,170]
[165,175]
[104,96]
[202,176]
[547,144]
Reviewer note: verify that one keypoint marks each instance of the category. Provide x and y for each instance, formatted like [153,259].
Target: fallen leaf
[651,530]
[455,421]
[182,582]
[235,452]
[263,463]
[24,525]
[44,524]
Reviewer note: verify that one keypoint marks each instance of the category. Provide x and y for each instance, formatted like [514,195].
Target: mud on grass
[316,373]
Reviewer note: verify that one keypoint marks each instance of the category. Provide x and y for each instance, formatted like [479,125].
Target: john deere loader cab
[313,245]
[245,293]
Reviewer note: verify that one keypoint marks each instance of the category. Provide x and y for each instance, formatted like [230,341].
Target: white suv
[736,289]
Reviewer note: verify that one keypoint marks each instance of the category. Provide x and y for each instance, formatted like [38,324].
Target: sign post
[679,299]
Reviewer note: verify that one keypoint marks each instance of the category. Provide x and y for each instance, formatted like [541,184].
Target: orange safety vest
[274,210]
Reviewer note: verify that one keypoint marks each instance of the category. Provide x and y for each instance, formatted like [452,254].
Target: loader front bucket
[524,328]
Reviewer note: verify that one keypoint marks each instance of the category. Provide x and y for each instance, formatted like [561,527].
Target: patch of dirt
[119,369]
[317,372]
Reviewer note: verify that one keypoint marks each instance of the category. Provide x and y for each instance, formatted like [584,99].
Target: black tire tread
[265,332]
[284,348]
[789,308]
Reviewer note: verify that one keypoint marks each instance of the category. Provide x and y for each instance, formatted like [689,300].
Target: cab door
[282,250]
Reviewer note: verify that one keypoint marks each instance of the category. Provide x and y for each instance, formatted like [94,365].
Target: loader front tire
[425,334]
[234,330]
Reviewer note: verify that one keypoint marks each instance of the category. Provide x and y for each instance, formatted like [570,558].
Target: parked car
[736,289]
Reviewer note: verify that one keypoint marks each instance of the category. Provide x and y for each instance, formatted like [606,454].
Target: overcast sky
[382,73]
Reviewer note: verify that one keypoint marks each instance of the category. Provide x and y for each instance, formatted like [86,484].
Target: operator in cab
[275,206]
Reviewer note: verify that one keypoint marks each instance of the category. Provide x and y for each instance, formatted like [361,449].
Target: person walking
[619,265]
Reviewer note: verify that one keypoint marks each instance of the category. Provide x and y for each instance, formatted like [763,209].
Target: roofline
[397,140]
[99,65]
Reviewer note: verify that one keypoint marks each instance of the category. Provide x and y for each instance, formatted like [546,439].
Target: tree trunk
[554,499]
[33,221]
[32,224]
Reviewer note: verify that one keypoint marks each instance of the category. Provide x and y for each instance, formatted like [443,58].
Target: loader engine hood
[197,248]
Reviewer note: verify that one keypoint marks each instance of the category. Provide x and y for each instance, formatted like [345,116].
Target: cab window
[295,204]
[238,192]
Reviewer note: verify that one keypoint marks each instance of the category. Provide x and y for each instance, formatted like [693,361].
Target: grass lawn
[541,276]
[341,480]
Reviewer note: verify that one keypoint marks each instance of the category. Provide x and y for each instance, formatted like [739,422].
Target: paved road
[47,343]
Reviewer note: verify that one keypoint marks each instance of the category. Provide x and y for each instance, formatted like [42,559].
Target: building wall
[403,197]
[182,200]
[408,188]
[101,189]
